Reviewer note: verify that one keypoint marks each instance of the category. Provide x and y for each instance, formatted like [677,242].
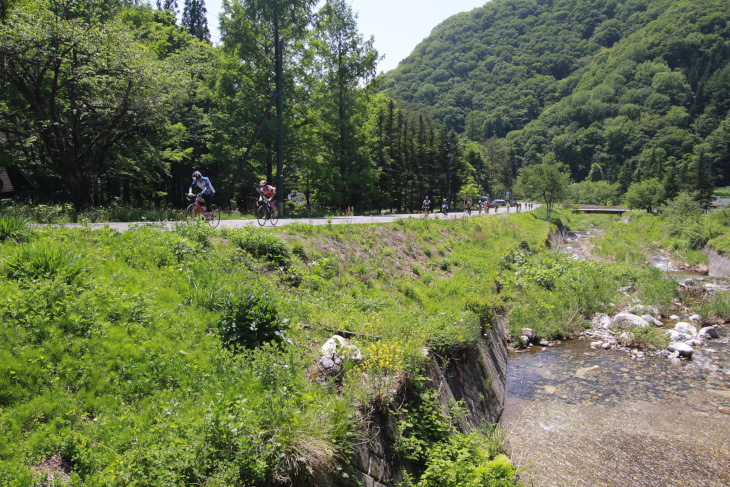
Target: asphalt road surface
[337,220]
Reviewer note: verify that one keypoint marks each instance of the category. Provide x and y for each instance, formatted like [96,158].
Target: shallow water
[575,416]
[584,417]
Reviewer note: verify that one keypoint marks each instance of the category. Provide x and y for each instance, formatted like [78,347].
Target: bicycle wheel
[261,215]
[192,214]
[215,219]
[273,217]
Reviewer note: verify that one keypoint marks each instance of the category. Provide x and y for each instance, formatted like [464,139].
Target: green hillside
[629,89]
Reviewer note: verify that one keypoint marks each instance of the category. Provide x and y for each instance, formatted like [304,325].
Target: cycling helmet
[197,175]
[262,182]
[426,197]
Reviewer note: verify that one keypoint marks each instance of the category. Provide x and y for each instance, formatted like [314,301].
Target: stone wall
[475,376]
[719,264]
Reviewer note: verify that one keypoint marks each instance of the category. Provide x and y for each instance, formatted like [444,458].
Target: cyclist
[426,208]
[207,190]
[267,194]
[468,206]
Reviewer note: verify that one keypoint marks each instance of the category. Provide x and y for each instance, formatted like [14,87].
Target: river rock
[624,320]
[529,333]
[543,342]
[709,332]
[582,372]
[683,349]
[651,320]
[596,344]
[695,318]
[693,342]
[689,282]
[684,327]
[674,318]
[601,320]
[626,338]
[677,336]
[606,346]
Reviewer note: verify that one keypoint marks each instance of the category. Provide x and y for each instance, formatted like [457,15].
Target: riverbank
[598,412]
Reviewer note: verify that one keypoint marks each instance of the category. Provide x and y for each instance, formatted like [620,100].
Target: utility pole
[280,121]
[451,161]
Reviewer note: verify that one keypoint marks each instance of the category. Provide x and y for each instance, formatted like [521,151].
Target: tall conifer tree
[169,6]
[194,18]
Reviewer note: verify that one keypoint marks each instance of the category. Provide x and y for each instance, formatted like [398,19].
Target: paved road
[337,220]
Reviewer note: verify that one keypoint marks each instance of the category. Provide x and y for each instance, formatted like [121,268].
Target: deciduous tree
[80,92]
[547,182]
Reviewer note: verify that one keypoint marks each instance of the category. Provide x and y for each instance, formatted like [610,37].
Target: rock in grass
[637,308]
[339,347]
[695,318]
[682,349]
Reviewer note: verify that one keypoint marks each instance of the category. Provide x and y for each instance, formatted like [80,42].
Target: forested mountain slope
[621,90]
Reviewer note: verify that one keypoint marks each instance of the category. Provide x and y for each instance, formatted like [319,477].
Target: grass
[123,371]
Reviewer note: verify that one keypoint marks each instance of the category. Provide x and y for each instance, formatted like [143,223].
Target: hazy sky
[398,25]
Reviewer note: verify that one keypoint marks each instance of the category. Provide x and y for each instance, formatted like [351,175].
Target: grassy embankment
[677,232]
[132,354]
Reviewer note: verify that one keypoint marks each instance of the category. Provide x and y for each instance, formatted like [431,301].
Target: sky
[397,25]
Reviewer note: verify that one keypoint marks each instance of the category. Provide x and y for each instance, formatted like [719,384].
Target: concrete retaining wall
[475,376]
[719,264]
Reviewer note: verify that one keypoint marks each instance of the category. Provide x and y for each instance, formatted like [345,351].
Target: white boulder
[684,327]
[338,347]
[625,320]
[682,349]
[709,332]
[651,320]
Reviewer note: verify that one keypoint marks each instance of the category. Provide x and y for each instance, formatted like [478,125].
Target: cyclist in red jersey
[267,193]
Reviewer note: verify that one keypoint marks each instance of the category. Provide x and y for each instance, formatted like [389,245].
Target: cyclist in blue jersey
[205,187]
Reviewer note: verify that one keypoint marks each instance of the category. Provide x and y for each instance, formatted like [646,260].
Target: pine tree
[169,6]
[195,20]
[671,184]
[703,182]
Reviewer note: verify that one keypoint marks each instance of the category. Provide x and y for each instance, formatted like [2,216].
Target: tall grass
[15,228]
[42,260]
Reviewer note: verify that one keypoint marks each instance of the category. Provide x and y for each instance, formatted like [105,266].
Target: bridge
[613,210]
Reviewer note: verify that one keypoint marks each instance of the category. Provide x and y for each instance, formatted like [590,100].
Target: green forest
[620,92]
[117,102]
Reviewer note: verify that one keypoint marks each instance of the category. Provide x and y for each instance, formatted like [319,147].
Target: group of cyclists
[207,193]
[267,193]
[481,205]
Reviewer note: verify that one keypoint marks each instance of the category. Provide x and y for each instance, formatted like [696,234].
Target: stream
[577,416]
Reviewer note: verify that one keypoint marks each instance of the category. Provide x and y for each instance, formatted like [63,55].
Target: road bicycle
[195,212]
[264,212]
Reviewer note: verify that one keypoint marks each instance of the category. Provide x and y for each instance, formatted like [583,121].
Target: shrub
[46,261]
[250,320]
[468,460]
[486,306]
[262,244]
